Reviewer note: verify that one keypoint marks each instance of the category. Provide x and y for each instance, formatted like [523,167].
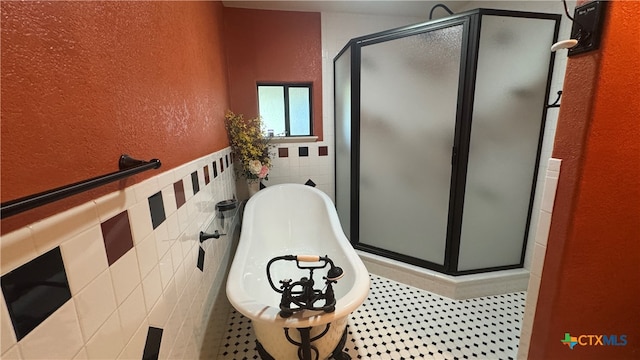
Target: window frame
[287,118]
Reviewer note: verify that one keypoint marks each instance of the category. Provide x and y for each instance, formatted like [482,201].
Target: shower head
[335,273]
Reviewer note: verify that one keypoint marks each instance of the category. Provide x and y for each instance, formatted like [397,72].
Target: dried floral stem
[250,147]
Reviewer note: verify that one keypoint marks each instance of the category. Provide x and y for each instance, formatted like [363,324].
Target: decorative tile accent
[262,186]
[215,169]
[194,182]
[226,160]
[221,166]
[303,151]
[152,346]
[116,233]
[231,156]
[35,290]
[283,152]
[323,150]
[310,183]
[156,206]
[206,175]
[200,264]
[398,321]
[178,189]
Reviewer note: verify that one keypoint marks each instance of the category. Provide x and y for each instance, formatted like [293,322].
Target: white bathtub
[292,219]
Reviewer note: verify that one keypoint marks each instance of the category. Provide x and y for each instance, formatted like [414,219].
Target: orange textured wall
[591,277]
[279,46]
[84,82]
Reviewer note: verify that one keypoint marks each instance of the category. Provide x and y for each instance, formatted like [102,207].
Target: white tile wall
[114,203]
[52,231]
[156,283]
[81,355]
[134,348]
[139,215]
[297,169]
[7,336]
[152,287]
[539,252]
[125,275]
[84,258]
[18,248]
[95,303]
[132,312]
[108,342]
[12,354]
[58,337]
[147,254]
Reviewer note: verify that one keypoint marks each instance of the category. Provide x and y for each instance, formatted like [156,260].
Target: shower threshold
[454,287]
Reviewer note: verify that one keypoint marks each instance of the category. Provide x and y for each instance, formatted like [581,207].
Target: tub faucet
[204,236]
[300,295]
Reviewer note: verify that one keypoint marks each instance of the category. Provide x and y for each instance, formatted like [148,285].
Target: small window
[285,109]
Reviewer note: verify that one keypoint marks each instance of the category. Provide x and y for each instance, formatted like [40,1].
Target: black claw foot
[338,353]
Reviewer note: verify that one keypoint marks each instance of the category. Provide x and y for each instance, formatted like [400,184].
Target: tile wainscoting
[540,246]
[303,163]
[123,276]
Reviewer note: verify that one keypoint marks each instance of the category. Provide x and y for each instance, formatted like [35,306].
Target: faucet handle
[204,236]
[308,258]
[286,283]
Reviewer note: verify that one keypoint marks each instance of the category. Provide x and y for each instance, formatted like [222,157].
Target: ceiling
[389,7]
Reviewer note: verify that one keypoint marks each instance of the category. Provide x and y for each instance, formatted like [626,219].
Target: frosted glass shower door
[505,131]
[409,93]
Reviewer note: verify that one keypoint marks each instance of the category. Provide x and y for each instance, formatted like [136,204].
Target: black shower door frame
[471,22]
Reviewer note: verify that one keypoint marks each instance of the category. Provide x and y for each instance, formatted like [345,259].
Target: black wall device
[587,27]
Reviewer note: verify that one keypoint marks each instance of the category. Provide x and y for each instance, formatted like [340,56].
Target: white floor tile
[398,321]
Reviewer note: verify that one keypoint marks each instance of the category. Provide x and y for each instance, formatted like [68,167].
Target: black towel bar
[128,166]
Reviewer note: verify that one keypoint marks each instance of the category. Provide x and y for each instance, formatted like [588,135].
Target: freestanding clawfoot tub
[298,220]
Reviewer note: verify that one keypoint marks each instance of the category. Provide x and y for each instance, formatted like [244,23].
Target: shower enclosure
[438,129]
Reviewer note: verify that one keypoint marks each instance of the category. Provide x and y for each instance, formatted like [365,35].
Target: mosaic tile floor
[398,321]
